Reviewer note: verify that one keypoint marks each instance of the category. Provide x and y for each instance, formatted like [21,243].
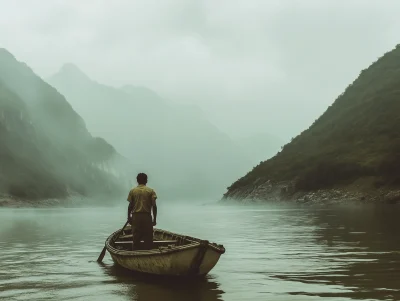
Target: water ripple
[272,254]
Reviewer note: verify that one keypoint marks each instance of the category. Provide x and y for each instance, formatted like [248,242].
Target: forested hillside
[356,139]
[45,148]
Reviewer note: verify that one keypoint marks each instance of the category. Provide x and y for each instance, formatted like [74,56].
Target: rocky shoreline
[284,192]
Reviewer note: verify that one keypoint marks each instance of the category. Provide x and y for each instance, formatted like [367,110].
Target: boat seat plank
[158,242]
[127,236]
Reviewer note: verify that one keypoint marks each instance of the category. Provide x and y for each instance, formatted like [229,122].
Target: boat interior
[161,240]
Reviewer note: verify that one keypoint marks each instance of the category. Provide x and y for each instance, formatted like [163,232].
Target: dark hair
[141,178]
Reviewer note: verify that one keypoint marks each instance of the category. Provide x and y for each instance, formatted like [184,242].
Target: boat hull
[175,264]
[197,258]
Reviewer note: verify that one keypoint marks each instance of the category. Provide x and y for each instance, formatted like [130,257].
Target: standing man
[142,200]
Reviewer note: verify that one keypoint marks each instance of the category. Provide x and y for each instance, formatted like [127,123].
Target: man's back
[142,199]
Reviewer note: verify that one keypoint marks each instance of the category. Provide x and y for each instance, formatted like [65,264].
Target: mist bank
[46,152]
[52,156]
[69,201]
[350,154]
[185,156]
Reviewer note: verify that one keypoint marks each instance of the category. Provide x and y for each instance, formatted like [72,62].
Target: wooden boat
[172,254]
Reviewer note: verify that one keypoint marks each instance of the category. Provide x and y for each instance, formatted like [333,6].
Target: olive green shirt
[143,198]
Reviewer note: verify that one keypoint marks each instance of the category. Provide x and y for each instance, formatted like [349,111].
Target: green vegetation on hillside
[358,136]
[45,148]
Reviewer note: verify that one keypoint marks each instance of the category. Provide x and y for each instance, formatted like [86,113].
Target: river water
[272,253]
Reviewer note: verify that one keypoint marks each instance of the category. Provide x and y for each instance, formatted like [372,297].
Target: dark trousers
[142,229]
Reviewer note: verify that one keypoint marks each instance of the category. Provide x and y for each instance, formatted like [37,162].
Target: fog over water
[272,253]
[195,94]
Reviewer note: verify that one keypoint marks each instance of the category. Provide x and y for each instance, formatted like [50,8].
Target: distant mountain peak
[72,71]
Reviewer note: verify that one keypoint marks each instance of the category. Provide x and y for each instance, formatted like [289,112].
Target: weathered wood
[157,242]
[125,236]
[185,255]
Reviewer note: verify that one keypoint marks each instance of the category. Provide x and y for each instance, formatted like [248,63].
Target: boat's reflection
[144,288]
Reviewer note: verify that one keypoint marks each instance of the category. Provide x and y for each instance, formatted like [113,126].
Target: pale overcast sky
[253,65]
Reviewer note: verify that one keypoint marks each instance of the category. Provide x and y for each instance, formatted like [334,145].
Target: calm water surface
[272,254]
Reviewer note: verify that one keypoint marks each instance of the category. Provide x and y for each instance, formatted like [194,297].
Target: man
[142,200]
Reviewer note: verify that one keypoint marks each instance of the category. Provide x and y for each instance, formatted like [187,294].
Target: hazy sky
[252,65]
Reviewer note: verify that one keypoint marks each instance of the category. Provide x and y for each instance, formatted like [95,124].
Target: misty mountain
[259,147]
[142,93]
[184,154]
[355,144]
[46,150]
